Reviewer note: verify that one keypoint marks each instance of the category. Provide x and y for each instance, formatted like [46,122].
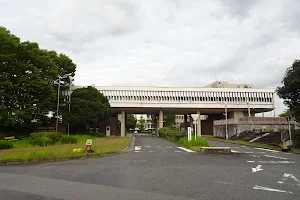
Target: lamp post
[226,126]
[58,92]
[249,112]
[70,91]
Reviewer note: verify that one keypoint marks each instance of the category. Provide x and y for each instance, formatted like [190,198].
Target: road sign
[195,116]
[189,133]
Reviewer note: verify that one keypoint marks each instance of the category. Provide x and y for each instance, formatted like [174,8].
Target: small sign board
[195,116]
[88,142]
[189,129]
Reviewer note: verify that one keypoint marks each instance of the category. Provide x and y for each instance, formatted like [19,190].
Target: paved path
[157,169]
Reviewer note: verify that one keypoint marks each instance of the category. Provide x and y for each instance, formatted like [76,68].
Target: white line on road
[255,156]
[178,151]
[235,151]
[267,150]
[248,152]
[137,148]
[273,162]
[184,149]
[137,151]
[275,157]
[150,151]
[280,182]
[257,187]
[158,146]
[148,146]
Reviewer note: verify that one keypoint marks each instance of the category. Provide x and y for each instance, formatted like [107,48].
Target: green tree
[169,120]
[141,124]
[290,89]
[130,122]
[286,113]
[27,75]
[88,107]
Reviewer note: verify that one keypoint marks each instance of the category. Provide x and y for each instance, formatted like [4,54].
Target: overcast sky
[164,42]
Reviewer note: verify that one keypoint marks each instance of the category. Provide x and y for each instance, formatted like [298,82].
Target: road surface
[157,169]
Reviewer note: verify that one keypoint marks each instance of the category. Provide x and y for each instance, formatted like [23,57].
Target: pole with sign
[195,118]
[189,129]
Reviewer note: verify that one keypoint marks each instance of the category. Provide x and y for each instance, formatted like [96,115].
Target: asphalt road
[157,169]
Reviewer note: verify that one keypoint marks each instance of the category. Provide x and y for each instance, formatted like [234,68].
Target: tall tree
[169,120]
[290,91]
[130,122]
[27,76]
[141,124]
[88,107]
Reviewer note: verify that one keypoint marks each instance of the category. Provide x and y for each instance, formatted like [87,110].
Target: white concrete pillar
[161,119]
[123,122]
[199,124]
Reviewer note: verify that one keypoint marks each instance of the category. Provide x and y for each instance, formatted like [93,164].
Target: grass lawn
[24,152]
[253,144]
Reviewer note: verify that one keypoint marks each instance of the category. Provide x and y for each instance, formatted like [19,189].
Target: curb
[130,146]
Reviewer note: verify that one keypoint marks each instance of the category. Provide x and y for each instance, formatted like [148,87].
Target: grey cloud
[240,8]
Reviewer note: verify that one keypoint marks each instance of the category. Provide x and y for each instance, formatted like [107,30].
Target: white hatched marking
[275,157]
[235,151]
[137,151]
[257,187]
[184,149]
[267,150]
[250,161]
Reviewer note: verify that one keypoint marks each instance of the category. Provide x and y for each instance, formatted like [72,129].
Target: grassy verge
[253,144]
[23,152]
[192,145]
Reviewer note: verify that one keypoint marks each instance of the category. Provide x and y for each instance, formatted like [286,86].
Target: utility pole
[226,122]
[70,91]
[57,106]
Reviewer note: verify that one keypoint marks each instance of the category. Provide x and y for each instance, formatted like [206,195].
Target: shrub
[67,139]
[42,141]
[55,136]
[198,142]
[296,138]
[170,133]
[5,145]
[100,135]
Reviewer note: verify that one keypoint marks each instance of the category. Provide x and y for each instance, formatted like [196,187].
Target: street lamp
[226,128]
[58,92]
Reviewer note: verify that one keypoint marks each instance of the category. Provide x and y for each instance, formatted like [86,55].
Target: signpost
[189,129]
[195,118]
[89,145]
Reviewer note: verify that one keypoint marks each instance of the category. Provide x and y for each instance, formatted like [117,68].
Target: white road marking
[280,182]
[158,146]
[235,151]
[178,151]
[248,152]
[150,151]
[137,151]
[255,156]
[184,149]
[272,162]
[257,187]
[287,153]
[148,146]
[137,148]
[169,147]
[223,182]
[275,157]
[267,150]
[290,176]
[256,169]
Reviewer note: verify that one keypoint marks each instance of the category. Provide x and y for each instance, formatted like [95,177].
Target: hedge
[5,145]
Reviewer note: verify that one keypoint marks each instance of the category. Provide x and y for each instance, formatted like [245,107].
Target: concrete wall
[233,129]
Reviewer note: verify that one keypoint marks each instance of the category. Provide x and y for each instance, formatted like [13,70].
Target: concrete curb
[216,150]
[130,146]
